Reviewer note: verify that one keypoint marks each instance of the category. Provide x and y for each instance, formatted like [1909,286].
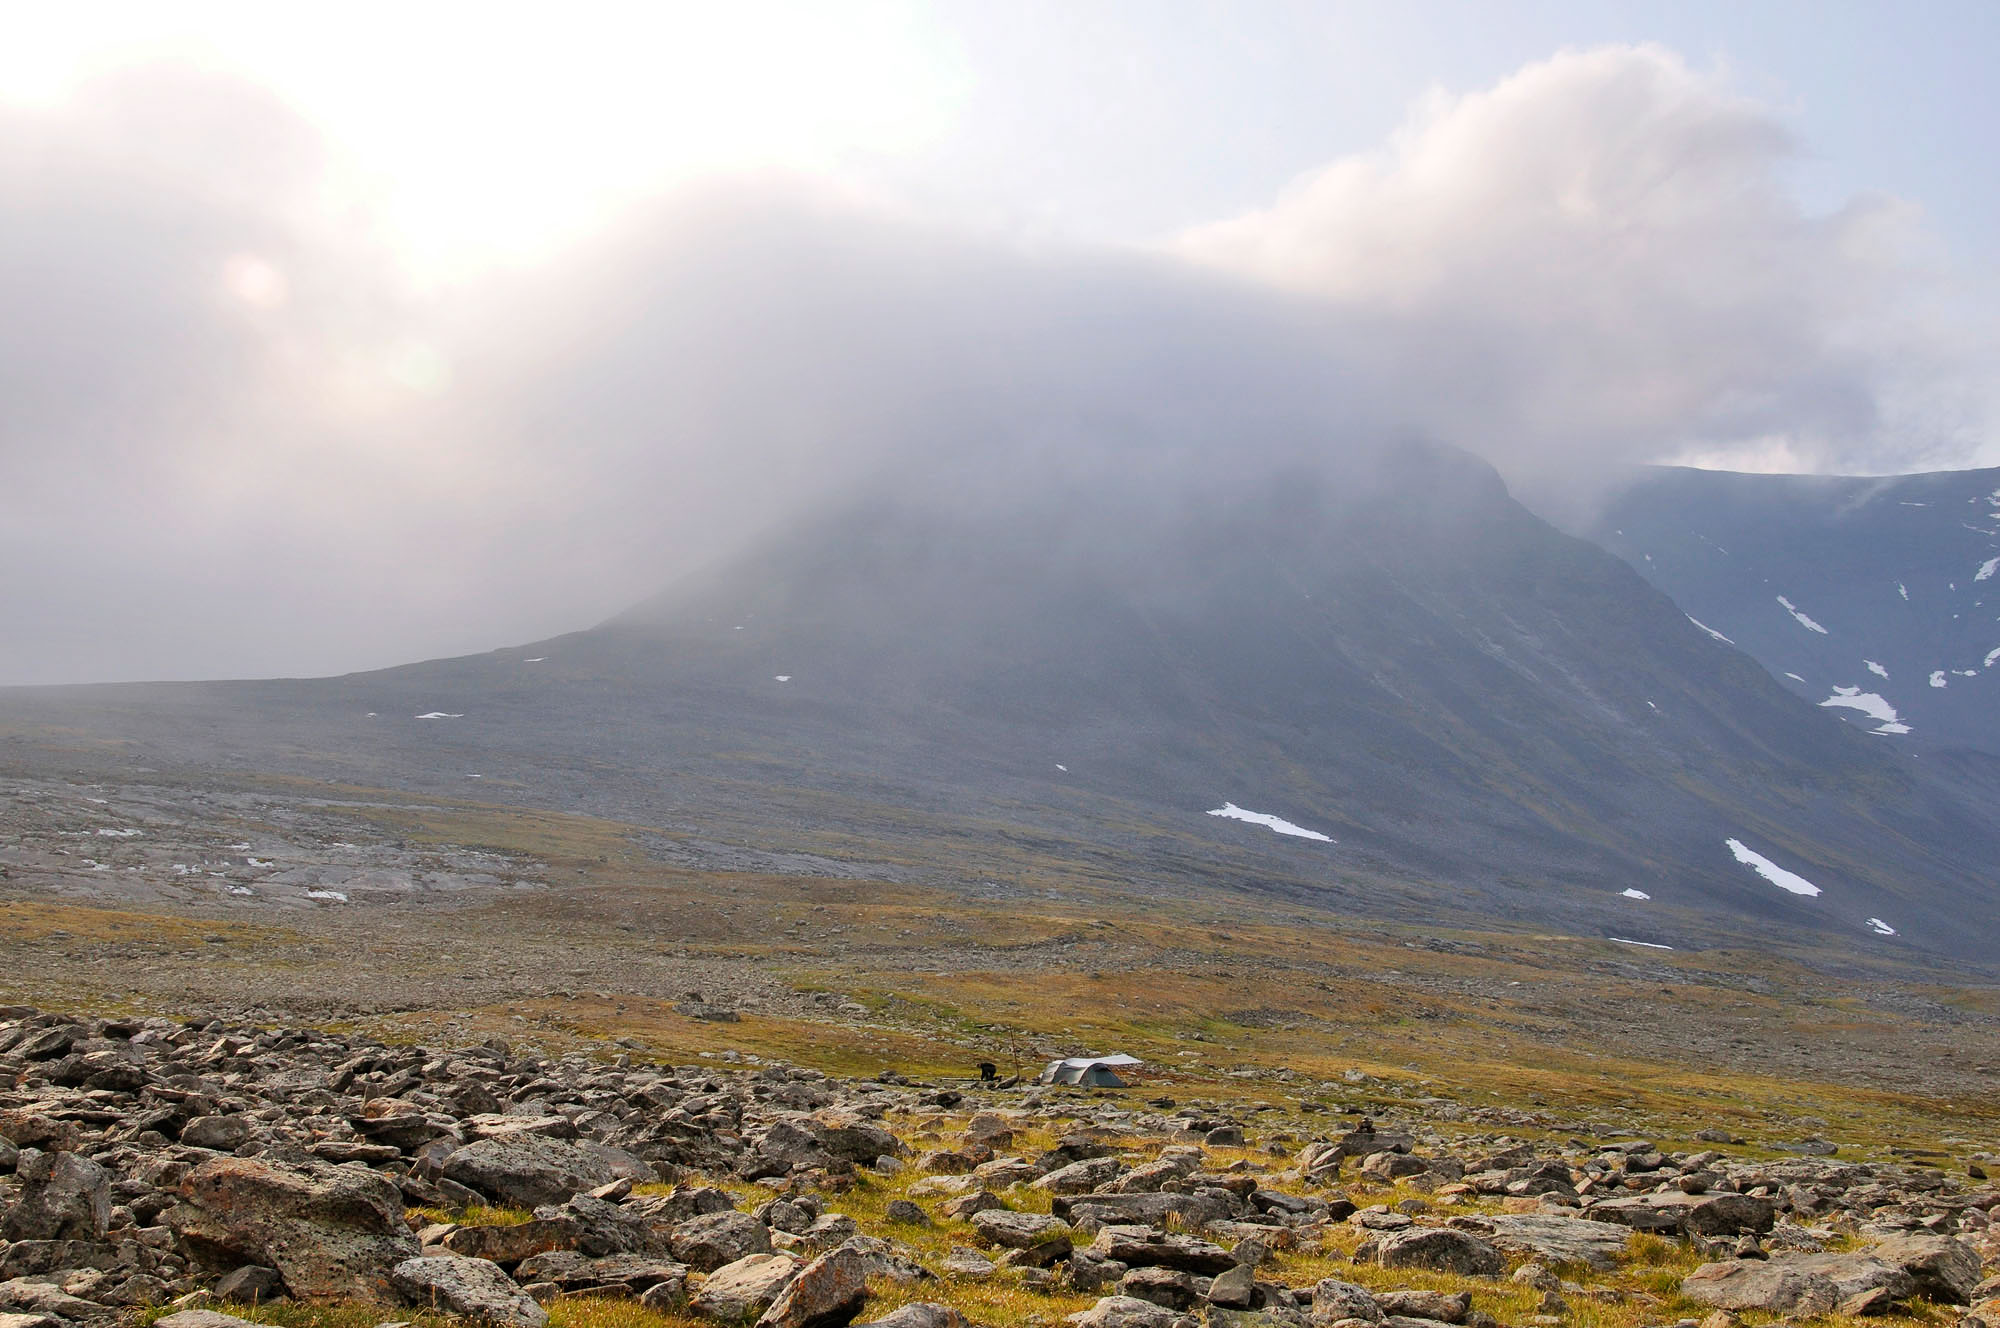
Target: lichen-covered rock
[1334,1300]
[1945,1269]
[332,1232]
[708,1242]
[1802,1284]
[738,1293]
[1440,1249]
[827,1293]
[527,1170]
[472,1288]
[64,1196]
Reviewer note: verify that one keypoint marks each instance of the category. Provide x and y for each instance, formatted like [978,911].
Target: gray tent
[1089,1071]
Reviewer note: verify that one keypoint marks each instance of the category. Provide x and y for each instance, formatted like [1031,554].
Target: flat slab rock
[1803,1284]
[1550,1237]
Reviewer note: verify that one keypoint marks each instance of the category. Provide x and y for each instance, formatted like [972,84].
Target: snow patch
[1875,668]
[1794,677]
[1804,621]
[1986,569]
[1650,945]
[1710,630]
[1902,590]
[334,895]
[536,660]
[1283,827]
[1991,655]
[1060,766]
[1770,870]
[120,834]
[1937,678]
[1872,704]
[441,714]
[1635,894]
[781,677]
[1880,928]
[241,890]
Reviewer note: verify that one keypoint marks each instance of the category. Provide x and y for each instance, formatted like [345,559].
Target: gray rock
[64,1196]
[1148,1247]
[1123,1312]
[1803,1284]
[741,1291]
[1080,1177]
[222,1134]
[1334,1300]
[22,1295]
[332,1232]
[709,1242]
[1019,1231]
[921,1314]
[1944,1268]
[1169,1288]
[473,1288]
[1431,1306]
[252,1284]
[1550,1236]
[202,1319]
[528,1170]
[1440,1249]
[1234,1289]
[827,1293]
[964,1261]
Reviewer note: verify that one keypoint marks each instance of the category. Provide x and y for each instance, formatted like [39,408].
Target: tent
[1089,1071]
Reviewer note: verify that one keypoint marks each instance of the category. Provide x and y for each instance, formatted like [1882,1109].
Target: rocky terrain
[189,1164]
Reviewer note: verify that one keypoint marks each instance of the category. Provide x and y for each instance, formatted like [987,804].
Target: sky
[337,337]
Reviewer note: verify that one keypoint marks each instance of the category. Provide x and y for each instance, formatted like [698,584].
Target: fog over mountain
[242,440]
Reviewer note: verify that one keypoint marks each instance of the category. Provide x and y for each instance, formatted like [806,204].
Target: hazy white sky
[337,336]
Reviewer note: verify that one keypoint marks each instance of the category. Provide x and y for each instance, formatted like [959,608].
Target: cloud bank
[237,440]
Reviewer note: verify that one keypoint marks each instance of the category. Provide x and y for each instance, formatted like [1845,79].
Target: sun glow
[489,133]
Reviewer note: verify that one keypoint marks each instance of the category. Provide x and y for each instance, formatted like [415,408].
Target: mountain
[1378,689]
[1876,599]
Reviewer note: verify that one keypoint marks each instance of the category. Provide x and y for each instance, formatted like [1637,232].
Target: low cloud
[239,441]
[1598,262]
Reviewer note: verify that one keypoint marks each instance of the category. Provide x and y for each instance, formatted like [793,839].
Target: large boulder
[472,1288]
[528,1170]
[1440,1249]
[708,1242]
[827,1293]
[1944,1268]
[64,1196]
[1149,1247]
[514,1241]
[1806,1285]
[740,1292]
[1334,1300]
[853,1137]
[1721,1214]
[332,1232]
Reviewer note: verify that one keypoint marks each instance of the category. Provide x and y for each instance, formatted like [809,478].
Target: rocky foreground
[189,1164]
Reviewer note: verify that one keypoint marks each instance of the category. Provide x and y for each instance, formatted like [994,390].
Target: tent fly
[1089,1071]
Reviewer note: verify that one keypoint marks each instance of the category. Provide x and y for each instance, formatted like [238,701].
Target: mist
[239,438]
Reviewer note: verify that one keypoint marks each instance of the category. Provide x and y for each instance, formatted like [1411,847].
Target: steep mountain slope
[1470,715]
[1875,598]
